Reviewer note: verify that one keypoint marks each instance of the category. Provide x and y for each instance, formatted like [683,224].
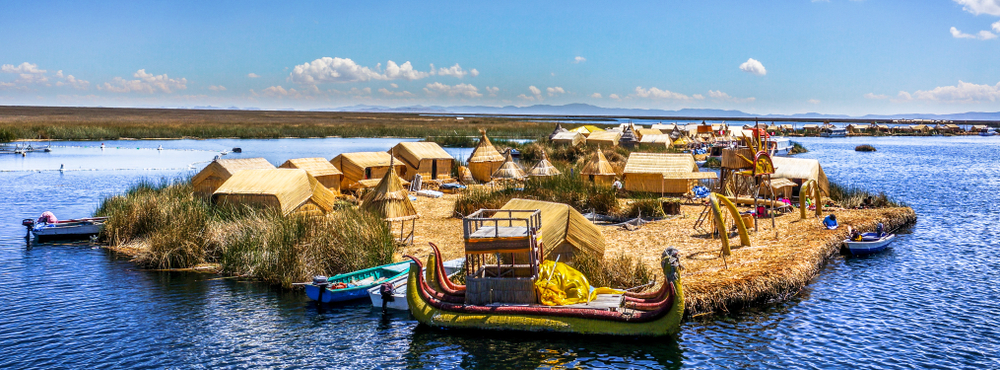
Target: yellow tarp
[560,285]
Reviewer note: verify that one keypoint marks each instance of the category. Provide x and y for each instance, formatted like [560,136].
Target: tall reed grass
[618,271]
[855,197]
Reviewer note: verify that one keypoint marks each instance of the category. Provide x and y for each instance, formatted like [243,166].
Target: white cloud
[457,71]
[394,86]
[27,73]
[614,96]
[328,69]
[977,7]
[492,90]
[875,97]
[217,88]
[462,90]
[996,27]
[252,75]
[145,83]
[982,35]
[813,101]
[753,66]
[536,94]
[280,92]
[722,96]
[655,93]
[535,90]
[404,71]
[964,92]
[69,80]
[595,95]
[400,94]
[555,91]
[579,59]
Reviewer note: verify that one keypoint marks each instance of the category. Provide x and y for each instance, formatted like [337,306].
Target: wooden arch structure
[717,201]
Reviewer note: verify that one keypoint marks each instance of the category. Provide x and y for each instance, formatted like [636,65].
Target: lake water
[932,301]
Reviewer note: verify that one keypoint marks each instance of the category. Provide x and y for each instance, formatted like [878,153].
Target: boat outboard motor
[878,229]
[28,223]
[386,291]
[321,282]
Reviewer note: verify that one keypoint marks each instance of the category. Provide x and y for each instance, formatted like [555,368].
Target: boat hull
[67,230]
[869,247]
[427,314]
[379,274]
[399,295]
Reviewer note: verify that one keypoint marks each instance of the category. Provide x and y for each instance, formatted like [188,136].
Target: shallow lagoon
[931,301]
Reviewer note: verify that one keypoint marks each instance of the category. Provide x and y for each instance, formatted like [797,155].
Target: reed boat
[353,285]
[65,229]
[503,254]
[869,243]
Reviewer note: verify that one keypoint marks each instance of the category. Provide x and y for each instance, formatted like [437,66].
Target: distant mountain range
[591,110]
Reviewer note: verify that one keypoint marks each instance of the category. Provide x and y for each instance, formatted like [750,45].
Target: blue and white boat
[353,285]
[869,243]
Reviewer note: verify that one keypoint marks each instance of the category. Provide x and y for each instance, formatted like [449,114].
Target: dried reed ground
[772,269]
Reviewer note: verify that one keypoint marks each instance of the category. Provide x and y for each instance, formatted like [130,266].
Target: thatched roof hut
[586,130]
[557,130]
[604,138]
[320,168]
[425,158]
[673,173]
[364,169]
[543,168]
[285,190]
[656,140]
[642,132]
[509,170]
[565,232]
[214,174]
[485,160]
[664,127]
[782,187]
[389,199]
[599,170]
[568,138]
[800,170]
[628,138]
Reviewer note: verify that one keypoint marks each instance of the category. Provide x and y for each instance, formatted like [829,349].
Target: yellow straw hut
[485,160]
[604,138]
[320,168]
[543,168]
[285,190]
[800,170]
[568,138]
[390,201]
[425,158]
[509,170]
[665,173]
[599,170]
[363,170]
[214,174]
[565,232]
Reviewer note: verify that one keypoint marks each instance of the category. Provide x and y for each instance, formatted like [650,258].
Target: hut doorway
[434,170]
[368,173]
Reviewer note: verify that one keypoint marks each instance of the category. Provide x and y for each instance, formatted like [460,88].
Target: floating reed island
[607,210]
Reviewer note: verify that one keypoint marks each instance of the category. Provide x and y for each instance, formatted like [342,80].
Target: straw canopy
[220,170]
[564,231]
[425,158]
[320,168]
[800,169]
[568,138]
[287,190]
[598,166]
[389,199]
[509,170]
[485,152]
[609,138]
[670,165]
[543,168]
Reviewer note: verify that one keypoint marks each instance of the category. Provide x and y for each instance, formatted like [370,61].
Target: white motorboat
[65,229]
[869,243]
[398,302]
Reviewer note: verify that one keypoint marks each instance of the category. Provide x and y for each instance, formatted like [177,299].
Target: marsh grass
[177,230]
[618,271]
[854,197]
[797,148]
[864,148]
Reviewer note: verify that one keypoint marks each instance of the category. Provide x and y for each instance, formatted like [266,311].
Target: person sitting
[830,221]
[855,234]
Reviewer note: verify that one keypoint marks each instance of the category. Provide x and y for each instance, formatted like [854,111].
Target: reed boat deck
[607,302]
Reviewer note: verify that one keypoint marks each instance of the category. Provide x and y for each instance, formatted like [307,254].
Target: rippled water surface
[932,301]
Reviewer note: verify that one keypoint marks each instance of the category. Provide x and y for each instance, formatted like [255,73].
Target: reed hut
[782,187]
[214,174]
[362,170]
[543,168]
[799,170]
[599,170]
[465,176]
[661,140]
[664,128]
[319,168]
[485,160]
[565,232]
[628,138]
[390,201]
[557,130]
[586,130]
[285,190]
[425,158]
[664,173]
[568,138]
[642,132]
[604,138]
[788,128]
[509,170]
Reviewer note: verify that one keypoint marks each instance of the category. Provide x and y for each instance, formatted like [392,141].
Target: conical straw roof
[628,137]
[598,166]
[509,170]
[389,199]
[558,129]
[543,168]
[485,152]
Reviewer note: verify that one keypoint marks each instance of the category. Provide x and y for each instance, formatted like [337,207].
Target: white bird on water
[62,167]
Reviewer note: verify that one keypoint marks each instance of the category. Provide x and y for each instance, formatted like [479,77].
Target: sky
[765,57]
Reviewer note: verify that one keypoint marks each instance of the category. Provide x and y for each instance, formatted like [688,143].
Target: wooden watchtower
[503,252]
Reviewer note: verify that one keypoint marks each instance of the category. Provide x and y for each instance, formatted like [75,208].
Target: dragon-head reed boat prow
[654,314]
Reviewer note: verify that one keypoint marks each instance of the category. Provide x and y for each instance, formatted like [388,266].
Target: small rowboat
[398,301]
[65,229]
[353,285]
[869,243]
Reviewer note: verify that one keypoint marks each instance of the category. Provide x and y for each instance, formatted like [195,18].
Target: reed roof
[290,187]
[316,167]
[562,226]
[509,170]
[664,127]
[572,136]
[389,199]
[659,138]
[781,183]
[800,168]
[370,159]
[669,165]
[587,129]
[605,136]
[598,166]
[642,132]
[420,150]
[225,168]
[485,152]
[543,168]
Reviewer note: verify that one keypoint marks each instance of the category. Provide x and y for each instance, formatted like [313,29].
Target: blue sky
[836,56]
